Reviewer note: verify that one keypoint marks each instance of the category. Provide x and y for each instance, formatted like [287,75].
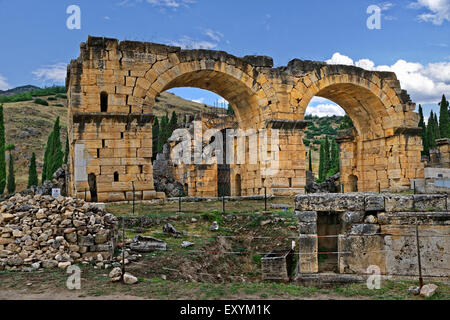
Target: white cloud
[186,42]
[324,109]
[214,35]
[438,10]
[200,100]
[4,83]
[425,84]
[55,73]
[338,58]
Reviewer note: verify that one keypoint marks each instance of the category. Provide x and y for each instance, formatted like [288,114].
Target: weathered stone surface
[147,244]
[129,278]
[428,290]
[395,203]
[353,216]
[47,233]
[425,202]
[306,216]
[374,203]
[364,229]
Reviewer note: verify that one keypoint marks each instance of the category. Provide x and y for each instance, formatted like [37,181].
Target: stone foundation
[376,230]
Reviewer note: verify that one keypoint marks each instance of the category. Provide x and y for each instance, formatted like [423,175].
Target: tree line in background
[54,157]
[435,128]
[162,130]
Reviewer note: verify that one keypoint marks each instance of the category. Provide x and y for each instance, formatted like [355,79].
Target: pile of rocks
[330,185]
[41,231]
[58,181]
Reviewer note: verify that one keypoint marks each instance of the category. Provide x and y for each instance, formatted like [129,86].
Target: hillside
[27,126]
[10,92]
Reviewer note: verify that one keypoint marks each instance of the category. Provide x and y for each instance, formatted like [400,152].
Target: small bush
[41,101]
[61,96]
[51,99]
[59,105]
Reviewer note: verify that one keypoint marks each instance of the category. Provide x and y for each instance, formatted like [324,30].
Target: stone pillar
[290,178]
[308,242]
[444,151]
[348,159]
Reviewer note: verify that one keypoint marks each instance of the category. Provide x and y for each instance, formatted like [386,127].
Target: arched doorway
[92,180]
[352,183]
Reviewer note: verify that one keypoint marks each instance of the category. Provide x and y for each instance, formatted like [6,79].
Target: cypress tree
[431,137]
[173,123]
[2,152]
[322,162]
[54,156]
[66,152]
[444,120]
[423,133]
[327,163]
[155,137]
[163,133]
[11,184]
[32,174]
[334,158]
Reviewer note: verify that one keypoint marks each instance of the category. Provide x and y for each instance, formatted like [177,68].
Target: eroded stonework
[113,85]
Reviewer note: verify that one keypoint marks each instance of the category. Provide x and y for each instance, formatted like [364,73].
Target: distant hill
[17,90]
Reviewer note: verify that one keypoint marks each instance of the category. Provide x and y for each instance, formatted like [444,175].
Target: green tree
[66,152]
[327,156]
[334,158]
[32,174]
[54,156]
[423,133]
[437,133]
[11,184]
[2,152]
[322,162]
[173,123]
[431,132]
[163,132]
[230,110]
[347,123]
[444,120]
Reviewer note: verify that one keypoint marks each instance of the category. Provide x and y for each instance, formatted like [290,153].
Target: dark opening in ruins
[238,185]
[103,102]
[223,170]
[92,180]
[352,183]
[116,176]
[327,230]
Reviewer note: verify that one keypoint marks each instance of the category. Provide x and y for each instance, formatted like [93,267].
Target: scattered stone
[115,274]
[147,244]
[64,265]
[371,219]
[170,229]
[414,291]
[129,279]
[186,244]
[428,290]
[214,226]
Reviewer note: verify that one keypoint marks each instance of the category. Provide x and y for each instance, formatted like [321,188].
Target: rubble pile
[42,231]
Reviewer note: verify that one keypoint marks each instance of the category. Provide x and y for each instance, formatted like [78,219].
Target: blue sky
[413,41]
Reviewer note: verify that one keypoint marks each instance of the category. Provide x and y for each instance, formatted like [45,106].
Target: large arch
[127,76]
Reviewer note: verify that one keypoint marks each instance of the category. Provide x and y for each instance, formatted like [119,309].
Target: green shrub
[41,101]
[51,99]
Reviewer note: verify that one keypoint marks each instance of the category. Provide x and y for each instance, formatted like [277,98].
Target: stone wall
[380,230]
[112,88]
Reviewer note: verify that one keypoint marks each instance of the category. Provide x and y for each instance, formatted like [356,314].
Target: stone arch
[241,86]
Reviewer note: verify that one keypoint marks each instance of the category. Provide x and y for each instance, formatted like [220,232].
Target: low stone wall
[378,230]
[41,231]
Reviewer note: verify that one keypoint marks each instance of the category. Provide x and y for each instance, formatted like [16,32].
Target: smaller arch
[116,176]
[103,102]
[92,181]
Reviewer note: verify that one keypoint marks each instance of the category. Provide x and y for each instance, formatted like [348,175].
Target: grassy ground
[220,265]
[95,283]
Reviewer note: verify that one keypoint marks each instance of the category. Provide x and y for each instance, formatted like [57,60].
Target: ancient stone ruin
[41,231]
[359,230]
[113,85]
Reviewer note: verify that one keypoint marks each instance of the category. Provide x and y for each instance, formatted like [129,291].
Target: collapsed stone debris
[41,231]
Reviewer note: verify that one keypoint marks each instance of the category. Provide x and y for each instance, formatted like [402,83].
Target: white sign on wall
[56,192]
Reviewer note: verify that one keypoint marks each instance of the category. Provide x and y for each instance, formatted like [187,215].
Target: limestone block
[308,258]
